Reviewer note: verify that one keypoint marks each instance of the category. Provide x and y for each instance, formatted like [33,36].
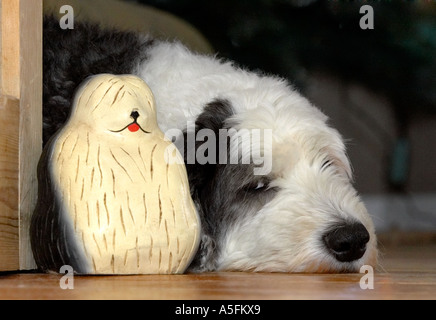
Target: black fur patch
[223,193]
[70,56]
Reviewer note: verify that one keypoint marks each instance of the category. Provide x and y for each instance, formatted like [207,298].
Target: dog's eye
[260,185]
[326,164]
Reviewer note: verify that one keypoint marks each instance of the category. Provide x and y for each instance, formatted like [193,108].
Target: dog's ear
[202,175]
[213,118]
[214,115]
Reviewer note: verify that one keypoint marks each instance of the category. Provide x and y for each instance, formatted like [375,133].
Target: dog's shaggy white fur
[305,215]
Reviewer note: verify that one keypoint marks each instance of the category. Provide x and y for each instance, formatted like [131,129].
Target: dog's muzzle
[347,242]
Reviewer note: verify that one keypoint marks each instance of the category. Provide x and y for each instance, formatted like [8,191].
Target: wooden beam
[20,127]
[10,60]
[30,119]
[9,173]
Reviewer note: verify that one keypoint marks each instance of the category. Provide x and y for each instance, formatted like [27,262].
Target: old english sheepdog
[301,214]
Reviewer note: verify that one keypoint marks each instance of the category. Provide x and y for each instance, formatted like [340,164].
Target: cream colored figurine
[108,201]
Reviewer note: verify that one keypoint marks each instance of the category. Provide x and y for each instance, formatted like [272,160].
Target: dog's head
[287,204]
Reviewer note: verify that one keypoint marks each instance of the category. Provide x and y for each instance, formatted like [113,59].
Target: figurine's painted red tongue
[133,127]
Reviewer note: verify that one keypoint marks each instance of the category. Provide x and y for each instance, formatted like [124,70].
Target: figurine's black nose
[347,242]
[134,115]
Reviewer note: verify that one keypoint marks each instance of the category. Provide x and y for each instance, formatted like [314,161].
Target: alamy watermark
[367,280]
[228,146]
[67,20]
[67,280]
[367,20]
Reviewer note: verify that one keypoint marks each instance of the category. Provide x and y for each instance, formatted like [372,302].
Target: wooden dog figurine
[108,201]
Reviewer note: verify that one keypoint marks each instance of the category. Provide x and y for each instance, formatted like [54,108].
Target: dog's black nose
[347,242]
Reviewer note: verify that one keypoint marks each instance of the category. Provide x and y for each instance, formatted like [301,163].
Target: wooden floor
[407,272]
